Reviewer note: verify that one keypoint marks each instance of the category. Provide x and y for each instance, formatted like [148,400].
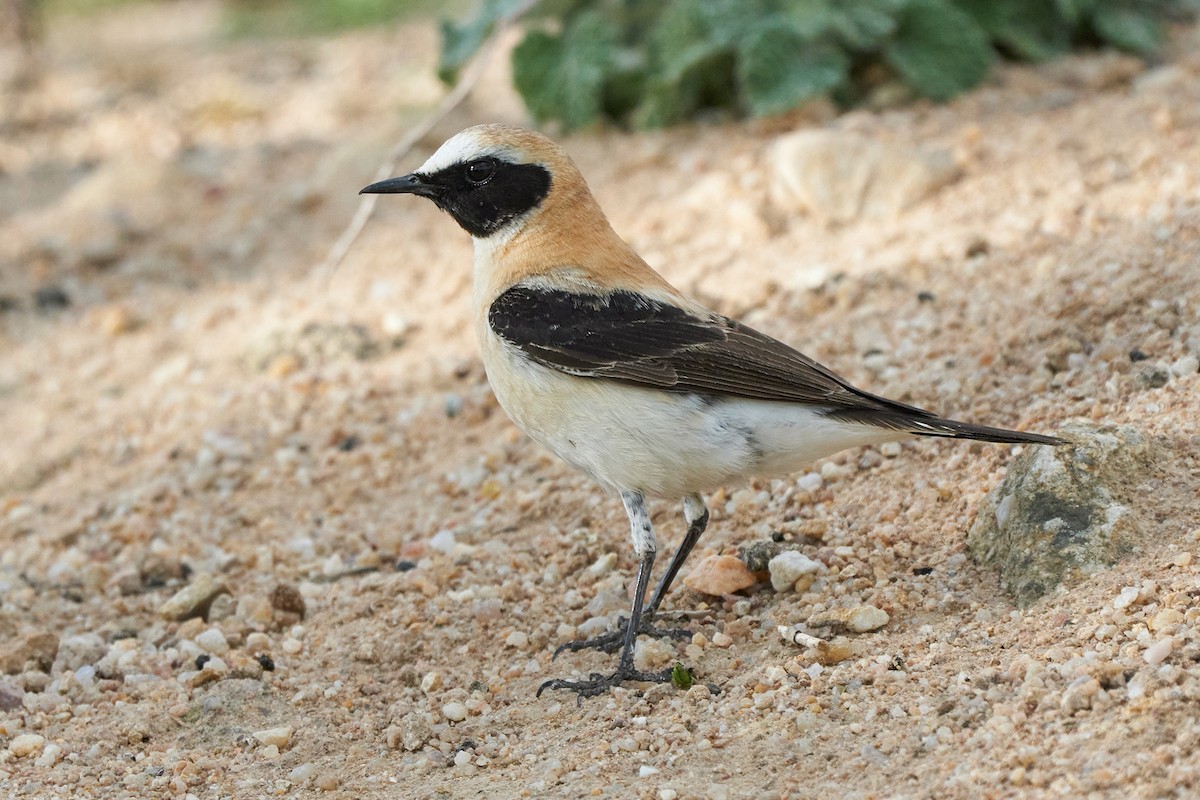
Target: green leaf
[810,18]
[681,677]
[692,58]
[939,49]
[862,25]
[779,67]
[1128,26]
[462,40]
[1075,11]
[1030,29]
[693,31]
[563,77]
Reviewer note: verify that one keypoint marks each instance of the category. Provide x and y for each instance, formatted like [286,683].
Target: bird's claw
[598,684]
[611,642]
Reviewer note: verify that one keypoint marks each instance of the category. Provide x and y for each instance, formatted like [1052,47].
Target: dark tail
[910,419]
[953,429]
[897,416]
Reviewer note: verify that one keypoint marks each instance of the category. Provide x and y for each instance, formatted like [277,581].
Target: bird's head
[490,178]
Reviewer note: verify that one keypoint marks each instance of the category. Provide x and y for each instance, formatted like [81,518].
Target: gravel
[162,470]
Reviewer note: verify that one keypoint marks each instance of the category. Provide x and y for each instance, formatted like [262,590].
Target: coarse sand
[387,563]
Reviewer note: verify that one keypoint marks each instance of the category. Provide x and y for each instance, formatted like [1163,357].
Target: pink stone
[720,575]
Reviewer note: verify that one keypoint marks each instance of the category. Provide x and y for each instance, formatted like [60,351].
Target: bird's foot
[612,641]
[598,684]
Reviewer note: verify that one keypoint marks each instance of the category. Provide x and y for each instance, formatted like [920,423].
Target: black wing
[624,336]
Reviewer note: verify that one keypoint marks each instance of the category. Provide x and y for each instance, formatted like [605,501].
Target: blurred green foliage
[288,17]
[306,17]
[656,62]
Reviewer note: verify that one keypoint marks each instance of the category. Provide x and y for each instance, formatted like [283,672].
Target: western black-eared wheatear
[593,354]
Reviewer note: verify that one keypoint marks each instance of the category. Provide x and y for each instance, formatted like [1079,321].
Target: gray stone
[11,696]
[80,650]
[757,555]
[1062,512]
[1152,376]
[414,732]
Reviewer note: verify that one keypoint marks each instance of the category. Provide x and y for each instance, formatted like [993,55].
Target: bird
[594,355]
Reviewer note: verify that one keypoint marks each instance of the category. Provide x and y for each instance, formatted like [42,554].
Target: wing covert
[628,337]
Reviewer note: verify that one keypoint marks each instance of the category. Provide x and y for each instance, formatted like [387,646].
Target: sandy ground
[209,408]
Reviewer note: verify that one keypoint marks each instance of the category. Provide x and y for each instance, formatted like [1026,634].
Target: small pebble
[1165,620]
[115,320]
[757,555]
[603,565]
[831,472]
[809,482]
[443,541]
[720,575]
[50,756]
[279,737]
[303,772]
[455,712]
[213,641]
[1188,365]
[1152,376]
[26,744]
[866,618]
[859,619]
[787,567]
[287,598]
[414,732]
[1159,651]
[194,599]
[11,696]
[518,639]
[889,449]
[1126,598]
[720,639]
[646,771]
[1182,560]
[593,626]
[653,654]
[431,682]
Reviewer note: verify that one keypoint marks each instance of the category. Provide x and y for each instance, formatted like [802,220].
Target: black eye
[481,171]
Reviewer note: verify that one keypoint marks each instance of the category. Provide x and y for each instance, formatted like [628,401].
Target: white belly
[658,443]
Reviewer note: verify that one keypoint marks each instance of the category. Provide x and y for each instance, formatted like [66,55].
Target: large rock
[839,176]
[1062,512]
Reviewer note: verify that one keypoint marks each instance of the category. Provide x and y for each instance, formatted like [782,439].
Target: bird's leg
[696,514]
[644,545]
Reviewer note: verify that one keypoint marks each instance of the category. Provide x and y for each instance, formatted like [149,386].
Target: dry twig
[452,100]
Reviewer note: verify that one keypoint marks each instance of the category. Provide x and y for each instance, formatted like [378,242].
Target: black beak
[407,184]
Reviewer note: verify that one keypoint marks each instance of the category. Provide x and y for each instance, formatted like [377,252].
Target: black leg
[643,542]
[696,514]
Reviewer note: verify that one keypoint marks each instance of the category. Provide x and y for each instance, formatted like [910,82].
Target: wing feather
[624,336]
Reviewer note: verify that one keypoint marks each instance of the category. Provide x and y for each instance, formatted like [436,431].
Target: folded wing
[628,337]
